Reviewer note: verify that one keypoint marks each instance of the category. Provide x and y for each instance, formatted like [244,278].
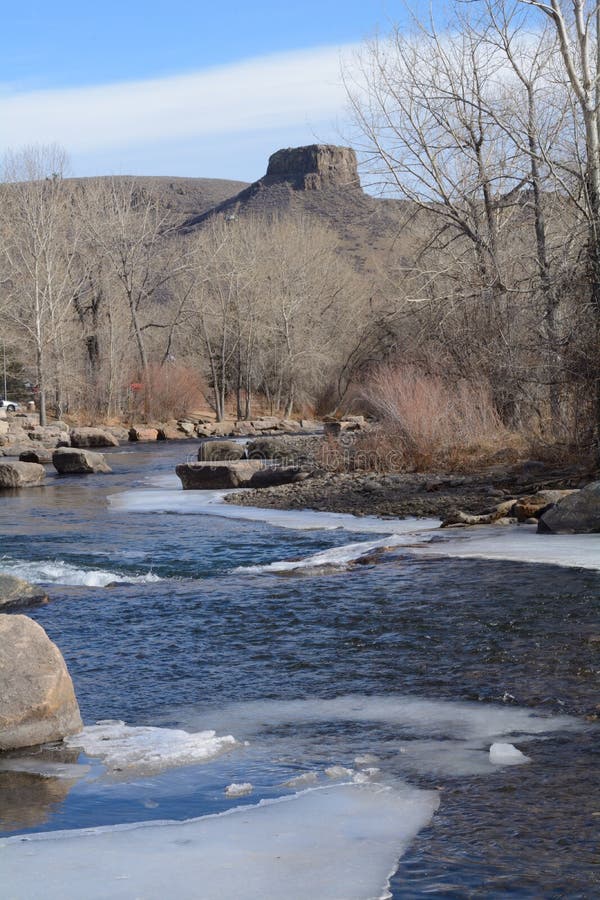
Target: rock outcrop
[15,592]
[72,461]
[579,513]
[37,700]
[314,167]
[217,476]
[20,474]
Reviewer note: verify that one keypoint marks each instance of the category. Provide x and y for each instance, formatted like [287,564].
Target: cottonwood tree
[40,237]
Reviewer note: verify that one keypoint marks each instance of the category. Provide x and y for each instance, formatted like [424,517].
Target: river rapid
[316,728]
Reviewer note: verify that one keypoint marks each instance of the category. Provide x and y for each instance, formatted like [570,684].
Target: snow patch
[147,748]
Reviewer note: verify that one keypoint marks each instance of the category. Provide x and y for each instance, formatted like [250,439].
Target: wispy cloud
[285,89]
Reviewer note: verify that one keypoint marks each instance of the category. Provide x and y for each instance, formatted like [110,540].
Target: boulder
[272,476]
[40,455]
[268,448]
[137,433]
[187,428]
[92,437]
[20,474]
[534,505]
[15,450]
[217,451]
[3,426]
[205,430]
[223,429]
[16,592]
[73,461]
[119,431]
[244,429]
[37,700]
[266,423]
[206,476]
[579,513]
[170,433]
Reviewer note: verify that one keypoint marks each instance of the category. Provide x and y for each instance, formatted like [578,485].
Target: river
[354,705]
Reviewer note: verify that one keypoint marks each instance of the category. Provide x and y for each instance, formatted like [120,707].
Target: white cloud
[285,89]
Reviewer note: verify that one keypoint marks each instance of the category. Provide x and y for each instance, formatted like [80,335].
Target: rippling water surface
[361,668]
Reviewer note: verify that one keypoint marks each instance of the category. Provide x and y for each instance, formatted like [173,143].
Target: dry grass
[168,392]
[426,423]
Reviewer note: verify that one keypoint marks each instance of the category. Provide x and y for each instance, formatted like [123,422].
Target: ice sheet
[518,543]
[212,503]
[148,749]
[328,843]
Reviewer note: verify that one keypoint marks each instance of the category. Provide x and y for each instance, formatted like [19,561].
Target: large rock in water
[219,451]
[15,592]
[217,476]
[579,513]
[20,474]
[72,461]
[40,455]
[37,700]
[92,437]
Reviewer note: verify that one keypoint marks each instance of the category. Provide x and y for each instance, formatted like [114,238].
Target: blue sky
[178,88]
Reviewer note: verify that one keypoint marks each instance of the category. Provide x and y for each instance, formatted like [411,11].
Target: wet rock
[206,476]
[218,451]
[73,461]
[37,700]
[579,513]
[15,592]
[92,437]
[20,474]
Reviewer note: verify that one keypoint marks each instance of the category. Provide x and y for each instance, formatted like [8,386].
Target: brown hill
[322,181]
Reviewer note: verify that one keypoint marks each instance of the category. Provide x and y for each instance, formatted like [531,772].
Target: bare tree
[39,247]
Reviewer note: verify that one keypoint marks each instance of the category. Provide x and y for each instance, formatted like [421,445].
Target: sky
[179,88]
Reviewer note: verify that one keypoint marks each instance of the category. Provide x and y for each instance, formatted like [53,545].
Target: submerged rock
[37,700]
[15,592]
[72,461]
[20,474]
[578,513]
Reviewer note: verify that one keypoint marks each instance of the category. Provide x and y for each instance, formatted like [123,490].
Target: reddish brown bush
[168,392]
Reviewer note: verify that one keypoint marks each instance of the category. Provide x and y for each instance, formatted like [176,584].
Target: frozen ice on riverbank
[148,749]
[342,841]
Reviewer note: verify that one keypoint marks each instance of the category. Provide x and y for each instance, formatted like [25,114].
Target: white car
[10,405]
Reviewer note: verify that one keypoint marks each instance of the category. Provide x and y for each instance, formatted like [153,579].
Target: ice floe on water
[333,842]
[399,734]
[148,749]
[59,572]
[334,558]
[502,754]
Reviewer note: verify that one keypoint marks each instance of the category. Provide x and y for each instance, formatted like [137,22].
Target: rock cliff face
[314,168]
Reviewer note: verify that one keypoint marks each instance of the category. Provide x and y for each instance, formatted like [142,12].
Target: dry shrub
[427,421]
[169,391]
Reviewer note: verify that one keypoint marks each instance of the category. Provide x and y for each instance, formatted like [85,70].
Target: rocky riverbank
[398,495]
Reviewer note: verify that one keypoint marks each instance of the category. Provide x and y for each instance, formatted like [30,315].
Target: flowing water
[219,646]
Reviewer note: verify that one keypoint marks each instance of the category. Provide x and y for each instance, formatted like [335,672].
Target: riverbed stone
[143,434]
[92,437]
[15,592]
[40,455]
[207,476]
[218,451]
[17,474]
[579,513]
[37,700]
[74,461]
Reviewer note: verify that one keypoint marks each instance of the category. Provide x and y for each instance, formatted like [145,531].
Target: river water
[220,646]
